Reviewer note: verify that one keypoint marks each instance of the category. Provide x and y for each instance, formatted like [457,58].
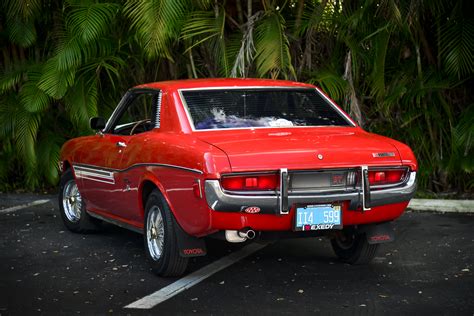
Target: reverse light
[254,182]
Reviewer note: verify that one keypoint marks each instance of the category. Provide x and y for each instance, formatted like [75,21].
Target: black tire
[69,197]
[161,245]
[353,248]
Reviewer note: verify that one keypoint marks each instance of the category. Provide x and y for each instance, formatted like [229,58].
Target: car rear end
[301,168]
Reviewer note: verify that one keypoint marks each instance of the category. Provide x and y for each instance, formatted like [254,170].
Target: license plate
[318,217]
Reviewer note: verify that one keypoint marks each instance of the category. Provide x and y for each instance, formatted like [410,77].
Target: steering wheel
[138,124]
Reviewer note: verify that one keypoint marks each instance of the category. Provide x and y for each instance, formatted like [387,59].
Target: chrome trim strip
[218,200]
[96,180]
[283,196]
[116,222]
[94,174]
[140,165]
[92,170]
[191,122]
[365,188]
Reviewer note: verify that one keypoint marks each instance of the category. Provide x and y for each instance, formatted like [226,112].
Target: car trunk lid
[302,148]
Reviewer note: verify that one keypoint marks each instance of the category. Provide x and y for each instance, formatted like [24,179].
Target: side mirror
[97,123]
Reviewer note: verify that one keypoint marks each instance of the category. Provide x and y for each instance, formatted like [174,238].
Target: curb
[442,206]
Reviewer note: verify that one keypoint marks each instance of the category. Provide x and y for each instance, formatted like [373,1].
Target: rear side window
[241,108]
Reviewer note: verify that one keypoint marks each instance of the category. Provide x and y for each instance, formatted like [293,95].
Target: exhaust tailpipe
[236,236]
[247,234]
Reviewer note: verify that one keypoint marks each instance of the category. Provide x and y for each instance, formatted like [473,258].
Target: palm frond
[48,150]
[331,83]
[200,27]
[157,23]
[23,9]
[55,82]
[33,98]
[377,77]
[208,27]
[12,78]
[91,21]
[21,32]
[26,130]
[81,103]
[272,47]
[8,106]
[457,46]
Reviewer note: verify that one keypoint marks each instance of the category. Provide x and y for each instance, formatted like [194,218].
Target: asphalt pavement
[47,270]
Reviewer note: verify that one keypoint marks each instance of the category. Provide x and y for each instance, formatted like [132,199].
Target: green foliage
[157,23]
[406,66]
[272,47]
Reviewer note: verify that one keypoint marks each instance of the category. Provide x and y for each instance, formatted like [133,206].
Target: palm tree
[401,68]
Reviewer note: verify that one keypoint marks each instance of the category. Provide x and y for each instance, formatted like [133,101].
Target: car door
[104,176]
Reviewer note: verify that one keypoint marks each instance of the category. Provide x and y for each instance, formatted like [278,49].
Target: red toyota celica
[237,159]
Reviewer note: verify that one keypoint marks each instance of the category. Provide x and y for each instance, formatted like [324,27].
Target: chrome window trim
[191,121]
[336,107]
[123,102]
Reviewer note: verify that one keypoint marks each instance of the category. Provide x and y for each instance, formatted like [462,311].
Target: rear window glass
[241,108]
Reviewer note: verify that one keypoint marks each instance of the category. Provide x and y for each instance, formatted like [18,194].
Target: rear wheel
[353,248]
[72,207]
[161,244]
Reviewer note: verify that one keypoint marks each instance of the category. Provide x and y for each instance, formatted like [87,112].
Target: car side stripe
[108,173]
[94,174]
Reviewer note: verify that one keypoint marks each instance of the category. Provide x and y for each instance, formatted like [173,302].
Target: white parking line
[194,278]
[19,207]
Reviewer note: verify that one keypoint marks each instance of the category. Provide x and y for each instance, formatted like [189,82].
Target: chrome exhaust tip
[233,236]
[247,234]
[236,236]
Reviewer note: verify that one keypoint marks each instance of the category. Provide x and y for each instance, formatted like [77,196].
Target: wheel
[72,208]
[161,245]
[353,248]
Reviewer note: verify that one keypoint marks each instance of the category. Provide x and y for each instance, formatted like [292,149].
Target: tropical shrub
[402,68]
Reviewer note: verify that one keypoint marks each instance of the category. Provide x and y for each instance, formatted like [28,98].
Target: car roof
[221,82]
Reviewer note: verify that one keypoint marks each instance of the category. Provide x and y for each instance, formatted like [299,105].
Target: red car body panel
[174,158]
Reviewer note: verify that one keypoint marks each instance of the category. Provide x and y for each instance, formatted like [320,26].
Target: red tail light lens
[387,176]
[264,182]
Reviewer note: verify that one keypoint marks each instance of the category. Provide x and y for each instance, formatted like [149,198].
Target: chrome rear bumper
[280,202]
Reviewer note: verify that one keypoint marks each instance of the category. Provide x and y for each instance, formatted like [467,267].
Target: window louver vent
[158,110]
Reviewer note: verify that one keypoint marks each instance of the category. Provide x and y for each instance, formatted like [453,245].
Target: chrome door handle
[121,144]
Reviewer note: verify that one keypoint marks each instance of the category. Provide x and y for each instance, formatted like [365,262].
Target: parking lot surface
[45,269]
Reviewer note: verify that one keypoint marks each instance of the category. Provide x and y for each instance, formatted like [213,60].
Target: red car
[236,159]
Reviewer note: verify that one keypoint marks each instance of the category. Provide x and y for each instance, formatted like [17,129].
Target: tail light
[386,176]
[254,182]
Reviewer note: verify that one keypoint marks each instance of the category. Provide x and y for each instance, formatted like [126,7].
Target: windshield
[246,107]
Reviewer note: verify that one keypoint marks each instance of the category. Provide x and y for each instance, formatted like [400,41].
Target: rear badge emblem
[385,154]
[252,210]
[320,157]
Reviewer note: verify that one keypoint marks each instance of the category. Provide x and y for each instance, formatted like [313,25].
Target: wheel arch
[147,185]
[65,165]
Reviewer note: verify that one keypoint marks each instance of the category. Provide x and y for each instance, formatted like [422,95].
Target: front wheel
[353,248]
[161,245]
